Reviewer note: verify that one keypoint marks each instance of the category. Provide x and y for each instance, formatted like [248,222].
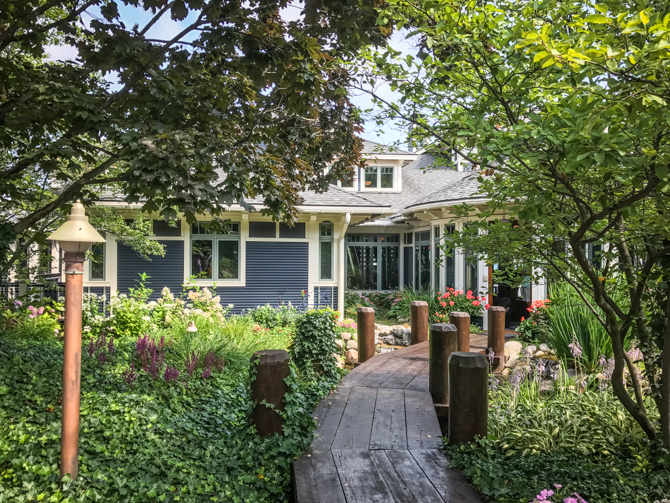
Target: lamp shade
[76,234]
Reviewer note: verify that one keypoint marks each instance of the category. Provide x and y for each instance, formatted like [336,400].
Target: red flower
[475,303]
[469,292]
[444,304]
[451,302]
[528,309]
[523,319]
[486,306]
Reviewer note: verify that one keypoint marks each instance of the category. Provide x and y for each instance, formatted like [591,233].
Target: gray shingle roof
[335,196]
[419,179]
[462,188]
[371,147]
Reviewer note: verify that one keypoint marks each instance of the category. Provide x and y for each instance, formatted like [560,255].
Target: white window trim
[215,238]
[327,239]
[104,267]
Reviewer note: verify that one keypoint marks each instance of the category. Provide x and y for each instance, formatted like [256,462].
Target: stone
[403,320]
[505,371]
[351,356]
[514,347]
[339,361]
[382,329]
[346,336]
[539,354]
[532,349]
[512,360]
[544,347]
[339,343]
[352,344]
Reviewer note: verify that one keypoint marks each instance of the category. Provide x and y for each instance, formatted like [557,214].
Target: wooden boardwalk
[378,438]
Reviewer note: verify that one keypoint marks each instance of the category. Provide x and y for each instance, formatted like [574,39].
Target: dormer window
[379,177]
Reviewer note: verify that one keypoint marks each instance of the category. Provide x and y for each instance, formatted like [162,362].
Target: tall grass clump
[401,306]
[571,322]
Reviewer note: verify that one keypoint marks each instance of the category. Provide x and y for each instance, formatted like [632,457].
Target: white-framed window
[379,177]
[215,250]
[96,262]
[326,251]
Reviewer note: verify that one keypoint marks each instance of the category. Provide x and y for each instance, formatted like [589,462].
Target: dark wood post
[496,341]
[366,333]
[462,322]
[443,342]
[468,390]
[419,321]
[271,366]
[69,440]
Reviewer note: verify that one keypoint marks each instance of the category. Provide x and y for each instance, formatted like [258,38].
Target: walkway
[378,438]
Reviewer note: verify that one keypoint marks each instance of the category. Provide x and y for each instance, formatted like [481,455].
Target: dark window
[371,177]
[229,262]
[347,182]
[262,230]
[326,251]
[201,258]
[408,238]
[97,262]
[295,232]
[386,177]
[215,250]
[163,228]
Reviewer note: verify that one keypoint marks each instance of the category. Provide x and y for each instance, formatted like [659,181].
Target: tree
[240,103]
[562,108]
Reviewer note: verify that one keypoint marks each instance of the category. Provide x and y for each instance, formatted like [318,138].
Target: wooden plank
[423,428]
[315,479]
[414,477]
[355,426]
[375,378]
[360,478]
[420,382]
[389,428]
[328,415]
[396,485]
[450,484]
[377,361]
[406,374]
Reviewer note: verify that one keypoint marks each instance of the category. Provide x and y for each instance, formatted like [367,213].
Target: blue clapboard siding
[163,271]
[325,296]
[408,262]
[276,272]
[103,293]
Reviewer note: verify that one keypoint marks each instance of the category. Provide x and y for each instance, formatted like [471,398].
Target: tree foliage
[562,108]
[241,102]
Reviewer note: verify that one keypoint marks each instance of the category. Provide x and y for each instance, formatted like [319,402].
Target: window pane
[438,262]
[229,259]
[449,272]
[295,232]
[163,228]
[326,260]
[347,182]
[201,259]
[97,262]
[471,280]
[371,177]
[386,177]
[362,267]
[390,267]
[262,230]
[326,229]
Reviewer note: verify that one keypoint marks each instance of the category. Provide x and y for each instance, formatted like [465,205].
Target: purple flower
[575,349]
[544,495]
[110,346]
[17,304]
[558,487]
[129,376]
[192,362]
[206,373]
[212,360]
[91,348]
[490,355]
[171,374]
[102,358]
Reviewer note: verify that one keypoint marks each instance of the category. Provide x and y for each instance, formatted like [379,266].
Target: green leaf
[597,19]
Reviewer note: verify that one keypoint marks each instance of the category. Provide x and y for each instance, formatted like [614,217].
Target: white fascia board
[442,204]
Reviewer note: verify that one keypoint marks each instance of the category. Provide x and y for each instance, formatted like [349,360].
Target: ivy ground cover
[164,416]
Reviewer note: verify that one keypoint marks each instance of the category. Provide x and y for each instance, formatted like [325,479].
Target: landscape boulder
[351,356]
[352,344]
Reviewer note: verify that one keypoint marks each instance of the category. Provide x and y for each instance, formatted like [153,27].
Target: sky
[166,28]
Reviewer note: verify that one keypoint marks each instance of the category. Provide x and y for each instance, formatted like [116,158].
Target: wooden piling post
[468,395]
[462,322]
[496,339]
[271,367]
[443,342]
[366,333]
[419,321]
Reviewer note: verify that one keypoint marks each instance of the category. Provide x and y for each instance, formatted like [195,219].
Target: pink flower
[475,302]
[451,302]
[31,316]
[486,306]
[469,292]
[444,304]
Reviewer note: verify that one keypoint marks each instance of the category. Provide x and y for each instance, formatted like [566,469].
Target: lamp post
[74,237]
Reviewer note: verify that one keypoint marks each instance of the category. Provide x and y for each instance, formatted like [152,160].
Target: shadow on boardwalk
[378,439]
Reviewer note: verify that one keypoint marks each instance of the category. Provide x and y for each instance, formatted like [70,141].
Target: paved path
[378,438]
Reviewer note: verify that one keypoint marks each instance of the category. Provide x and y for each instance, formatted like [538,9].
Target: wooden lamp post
[74,237]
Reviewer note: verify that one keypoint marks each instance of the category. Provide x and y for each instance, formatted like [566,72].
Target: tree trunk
[665,380]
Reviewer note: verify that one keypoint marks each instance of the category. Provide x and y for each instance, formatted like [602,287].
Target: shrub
[401,308]
[581,439]
[354,300]
[535,328]
[32,321]
[171,438]
[457,300]
[283,315]
[313,346]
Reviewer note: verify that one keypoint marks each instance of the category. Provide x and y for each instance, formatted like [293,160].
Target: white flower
[146,318]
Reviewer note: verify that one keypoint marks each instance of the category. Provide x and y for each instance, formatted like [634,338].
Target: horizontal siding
[325,296]
[276,272]
[162,271]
